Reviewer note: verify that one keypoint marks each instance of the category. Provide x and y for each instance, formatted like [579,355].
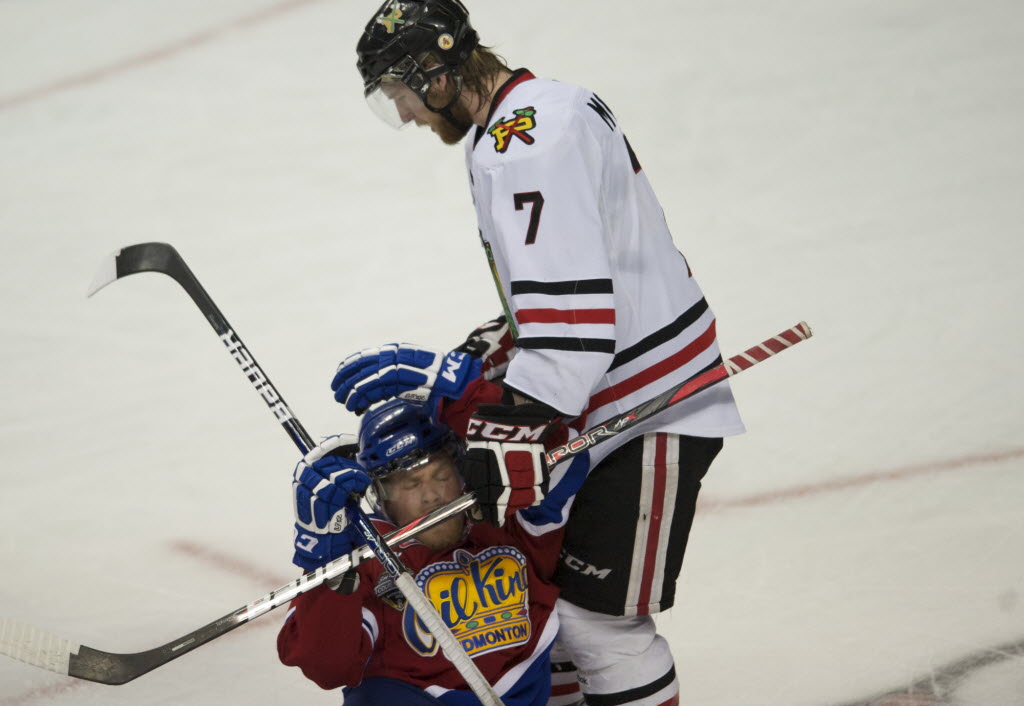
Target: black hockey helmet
[398,38]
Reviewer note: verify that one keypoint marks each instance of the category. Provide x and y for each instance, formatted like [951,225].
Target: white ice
[855,163]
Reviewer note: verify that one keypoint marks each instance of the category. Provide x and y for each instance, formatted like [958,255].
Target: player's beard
[449,132]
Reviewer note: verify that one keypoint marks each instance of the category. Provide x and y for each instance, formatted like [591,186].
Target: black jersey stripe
[624,697]
[572,286]
[579,345]
[662,335]
[632,157]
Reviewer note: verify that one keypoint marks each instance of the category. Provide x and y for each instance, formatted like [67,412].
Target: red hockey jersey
[494,590]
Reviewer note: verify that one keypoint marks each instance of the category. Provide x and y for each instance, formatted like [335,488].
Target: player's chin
[443,535]
[449,134]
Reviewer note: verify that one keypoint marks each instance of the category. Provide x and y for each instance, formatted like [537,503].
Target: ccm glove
[504,461]
[321,485]
[402,370]
[492,343]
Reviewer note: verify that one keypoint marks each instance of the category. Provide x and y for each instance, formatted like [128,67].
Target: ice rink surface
[855,163]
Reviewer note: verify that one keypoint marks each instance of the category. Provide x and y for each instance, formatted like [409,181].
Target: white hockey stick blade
[36,647]
[105,274]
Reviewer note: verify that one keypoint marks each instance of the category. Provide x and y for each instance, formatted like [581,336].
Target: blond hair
[478,72]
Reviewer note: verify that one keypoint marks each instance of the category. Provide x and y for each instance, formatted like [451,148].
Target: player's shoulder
[556,97]
[534,118]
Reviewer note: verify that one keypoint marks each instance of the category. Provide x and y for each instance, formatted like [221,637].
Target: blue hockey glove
[402,370]
[321,485]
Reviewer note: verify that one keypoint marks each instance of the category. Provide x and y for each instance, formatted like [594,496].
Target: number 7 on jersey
[537,200]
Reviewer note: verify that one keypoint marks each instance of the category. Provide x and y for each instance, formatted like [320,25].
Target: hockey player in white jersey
[602,312]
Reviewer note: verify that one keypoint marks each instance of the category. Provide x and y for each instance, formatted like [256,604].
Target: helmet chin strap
[450,117]
[446,111]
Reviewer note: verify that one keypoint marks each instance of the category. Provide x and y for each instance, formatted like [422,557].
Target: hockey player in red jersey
[603,313]
[492,586]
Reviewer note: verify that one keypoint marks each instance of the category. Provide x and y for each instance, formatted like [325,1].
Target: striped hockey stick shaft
[766,349]
[684,390]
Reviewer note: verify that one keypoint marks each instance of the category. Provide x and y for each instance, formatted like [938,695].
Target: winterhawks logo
[392,20]
[483,598]
[504,130]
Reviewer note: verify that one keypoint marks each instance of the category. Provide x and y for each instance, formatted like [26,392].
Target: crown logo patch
[483,598]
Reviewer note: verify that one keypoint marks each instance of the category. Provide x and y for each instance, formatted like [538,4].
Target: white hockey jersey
[607,312]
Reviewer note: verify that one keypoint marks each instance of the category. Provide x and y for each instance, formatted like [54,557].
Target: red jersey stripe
[655,372]
[654,527]
[564,689]
[565,316]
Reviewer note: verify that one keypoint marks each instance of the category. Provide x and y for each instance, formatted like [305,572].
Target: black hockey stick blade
[162,258]
[144,257]
[56,654]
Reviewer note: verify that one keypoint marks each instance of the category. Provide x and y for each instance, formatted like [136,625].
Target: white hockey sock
[620,660]
[565,689]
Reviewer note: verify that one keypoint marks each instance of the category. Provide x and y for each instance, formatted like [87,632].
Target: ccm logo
[584,568]
[451,367]
[491,431]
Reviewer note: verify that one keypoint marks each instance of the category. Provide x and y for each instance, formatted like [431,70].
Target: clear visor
[394,473]
[395,103]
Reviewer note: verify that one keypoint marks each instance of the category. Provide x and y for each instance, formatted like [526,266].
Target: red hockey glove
[491,342]
[504,462]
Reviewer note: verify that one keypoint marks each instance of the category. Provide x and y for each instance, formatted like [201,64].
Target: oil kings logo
[504,130]
[483,598]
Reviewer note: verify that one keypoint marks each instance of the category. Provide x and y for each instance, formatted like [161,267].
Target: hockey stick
[56,654]
[688,388]
[44,650]
[163,258]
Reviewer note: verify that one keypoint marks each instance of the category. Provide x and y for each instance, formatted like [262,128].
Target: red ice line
[203,553]
[68,685]
[803,491]
[231,564]
[228,563]
[152,56]
[250,571]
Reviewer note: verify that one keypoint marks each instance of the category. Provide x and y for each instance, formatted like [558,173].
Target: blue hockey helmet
[400,436]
